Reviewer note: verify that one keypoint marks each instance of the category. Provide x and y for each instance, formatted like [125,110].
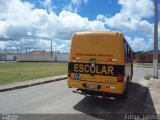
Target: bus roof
[101,33]
[98,32]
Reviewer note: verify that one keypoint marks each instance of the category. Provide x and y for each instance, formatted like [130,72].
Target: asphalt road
[56,101]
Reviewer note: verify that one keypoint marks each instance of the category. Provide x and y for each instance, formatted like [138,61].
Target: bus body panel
[98,58]
[91,45]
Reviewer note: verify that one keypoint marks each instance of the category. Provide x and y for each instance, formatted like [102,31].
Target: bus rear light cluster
[117,33]
[111,87]
[120,78]
[73,59]
[109,60]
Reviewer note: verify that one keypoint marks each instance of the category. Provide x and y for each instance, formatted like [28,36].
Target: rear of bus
[97,64]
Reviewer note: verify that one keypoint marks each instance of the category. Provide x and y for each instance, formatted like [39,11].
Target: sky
[32,24]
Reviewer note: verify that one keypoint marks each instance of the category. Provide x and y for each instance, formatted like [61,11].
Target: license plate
[91,86]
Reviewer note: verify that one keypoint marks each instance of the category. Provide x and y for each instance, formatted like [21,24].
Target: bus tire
[130,81]
[125,94]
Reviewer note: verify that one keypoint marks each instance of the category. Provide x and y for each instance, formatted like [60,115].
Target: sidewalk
[154,89]
[29,83]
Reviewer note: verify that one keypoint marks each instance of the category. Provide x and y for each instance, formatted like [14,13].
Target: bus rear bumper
[117,88]
[100,95]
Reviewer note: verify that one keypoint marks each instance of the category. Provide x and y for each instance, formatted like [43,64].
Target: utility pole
[17,50]
[155,51]
[51,52]
[26,50]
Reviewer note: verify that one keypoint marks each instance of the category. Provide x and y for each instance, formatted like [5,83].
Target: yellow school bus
[100,64]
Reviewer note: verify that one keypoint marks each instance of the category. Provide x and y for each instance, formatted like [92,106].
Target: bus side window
[125,51]
[129,53]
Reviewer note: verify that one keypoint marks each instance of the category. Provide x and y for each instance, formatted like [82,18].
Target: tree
[142,56]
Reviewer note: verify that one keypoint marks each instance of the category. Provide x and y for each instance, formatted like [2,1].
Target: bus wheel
[129,79]
[125,94]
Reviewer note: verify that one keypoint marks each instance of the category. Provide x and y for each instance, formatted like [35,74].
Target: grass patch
[20,71]
[148,77]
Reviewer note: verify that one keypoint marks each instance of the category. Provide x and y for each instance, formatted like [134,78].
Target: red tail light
[120,78]
[109,60]
[73,58]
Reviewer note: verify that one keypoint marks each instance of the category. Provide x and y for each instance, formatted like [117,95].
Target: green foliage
[148,77]
[142,56]
[20,71]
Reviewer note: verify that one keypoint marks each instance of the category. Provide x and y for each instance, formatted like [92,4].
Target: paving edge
[142,66]
[31,84]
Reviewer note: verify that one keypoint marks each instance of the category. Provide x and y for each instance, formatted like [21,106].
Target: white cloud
[72,22]
[139,44]
[74,5]
[79,2]
[62,47]
[47,4]
[15,10]
[22,44]
[31,25]
[25,25]
[2,45]
[131,17]
[136,9]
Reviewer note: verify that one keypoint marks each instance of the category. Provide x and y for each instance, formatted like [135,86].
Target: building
[34,56]
[61,57]
[42,56]
[7,57]
[145,57]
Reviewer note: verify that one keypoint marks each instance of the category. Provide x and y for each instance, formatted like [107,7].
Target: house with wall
[145,57]
[7,56]
[42,56]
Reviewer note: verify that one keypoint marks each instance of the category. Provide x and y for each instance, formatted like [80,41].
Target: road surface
[56,101]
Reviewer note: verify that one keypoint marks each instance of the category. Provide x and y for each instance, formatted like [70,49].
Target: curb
[144,66]
[144,82]
[31,84]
